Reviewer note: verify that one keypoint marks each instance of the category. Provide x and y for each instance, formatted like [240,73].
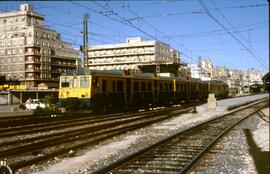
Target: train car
[109,90]
[257,88]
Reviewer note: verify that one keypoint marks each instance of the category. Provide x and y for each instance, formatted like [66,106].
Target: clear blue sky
[184,24]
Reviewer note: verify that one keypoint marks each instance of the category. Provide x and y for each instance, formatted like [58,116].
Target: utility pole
[85,40]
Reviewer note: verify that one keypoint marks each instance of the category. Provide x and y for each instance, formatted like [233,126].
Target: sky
[232,33]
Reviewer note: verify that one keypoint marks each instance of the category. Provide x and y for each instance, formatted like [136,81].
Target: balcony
[32,62]
[32,54]
[63,65]
[64,57]
[120,54]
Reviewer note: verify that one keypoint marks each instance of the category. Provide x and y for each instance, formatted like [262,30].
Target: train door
[104,86]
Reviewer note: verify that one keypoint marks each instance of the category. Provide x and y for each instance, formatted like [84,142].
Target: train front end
[75,91]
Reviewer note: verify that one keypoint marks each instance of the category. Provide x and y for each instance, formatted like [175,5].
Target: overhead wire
[235,30]
[91,22]
[146,32]
[230,33]
[199,11]
[215,33]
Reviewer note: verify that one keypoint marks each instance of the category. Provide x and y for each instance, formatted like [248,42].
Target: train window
[170,87]
[84,81]
[120,85]
[160,86]
[143,86]
[75,82]
[136,86]
[114,85]
[65,82]
[104,85]
[166,87]
[177,87]
[149,86]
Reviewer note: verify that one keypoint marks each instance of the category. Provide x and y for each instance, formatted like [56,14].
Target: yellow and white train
[119,89]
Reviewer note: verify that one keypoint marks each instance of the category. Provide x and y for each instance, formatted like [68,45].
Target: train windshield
[84,82]
[65,82]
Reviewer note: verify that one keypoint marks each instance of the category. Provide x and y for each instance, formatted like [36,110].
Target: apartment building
[195,70]
[206,66]
[130,55]
[221,73]
[30,52]
[252,76]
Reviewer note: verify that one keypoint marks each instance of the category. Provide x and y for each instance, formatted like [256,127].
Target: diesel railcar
[120,89]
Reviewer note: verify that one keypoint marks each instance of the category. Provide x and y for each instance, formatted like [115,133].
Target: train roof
[145,75]
[86,71]
[124,73]
[215,81]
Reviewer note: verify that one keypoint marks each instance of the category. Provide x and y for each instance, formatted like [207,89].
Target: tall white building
[206,66]
[253,76]
[31,53]
[195,70]
[129,55]
[203,69]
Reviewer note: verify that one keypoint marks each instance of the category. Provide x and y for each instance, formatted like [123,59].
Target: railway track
[19,153]
[179,152]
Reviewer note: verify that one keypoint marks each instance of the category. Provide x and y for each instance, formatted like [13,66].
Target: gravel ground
[233,154]
[120,146]
[111,150]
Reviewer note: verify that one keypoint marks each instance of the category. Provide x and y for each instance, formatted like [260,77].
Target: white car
[31,104]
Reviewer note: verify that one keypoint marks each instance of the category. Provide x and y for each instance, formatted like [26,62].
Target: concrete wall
[4,99]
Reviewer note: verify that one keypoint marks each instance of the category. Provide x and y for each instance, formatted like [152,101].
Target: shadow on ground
[261,158]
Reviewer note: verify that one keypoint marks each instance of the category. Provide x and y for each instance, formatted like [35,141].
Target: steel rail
[139,154]
[55,139]
[110,134]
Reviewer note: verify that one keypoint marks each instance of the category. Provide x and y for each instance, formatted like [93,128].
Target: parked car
[31,104]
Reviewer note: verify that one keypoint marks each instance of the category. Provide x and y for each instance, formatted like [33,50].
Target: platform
[228,104]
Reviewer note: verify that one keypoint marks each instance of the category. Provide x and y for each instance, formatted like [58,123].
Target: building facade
[206,66]
[184,71]
[31,53]
[221,73]
[195,70]
[235,81]
[130,55]
[253,76]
